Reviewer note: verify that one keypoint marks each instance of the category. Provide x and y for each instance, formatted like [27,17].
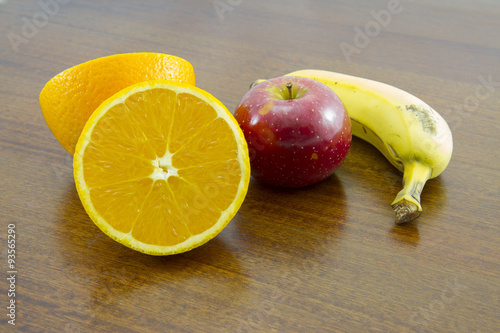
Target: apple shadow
[304,221]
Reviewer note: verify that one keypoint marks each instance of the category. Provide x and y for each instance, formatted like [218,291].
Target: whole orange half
[161,167]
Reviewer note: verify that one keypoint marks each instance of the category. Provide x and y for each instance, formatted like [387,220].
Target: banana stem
[407,203]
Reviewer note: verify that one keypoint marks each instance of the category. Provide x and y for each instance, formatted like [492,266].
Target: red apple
[297,129]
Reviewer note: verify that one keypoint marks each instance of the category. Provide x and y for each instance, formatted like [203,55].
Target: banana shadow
[366,165]
[305,221]
[405,234]
[433,200]
[434,197]
[113,273]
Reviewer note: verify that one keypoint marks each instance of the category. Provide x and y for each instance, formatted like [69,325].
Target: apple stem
[289,86]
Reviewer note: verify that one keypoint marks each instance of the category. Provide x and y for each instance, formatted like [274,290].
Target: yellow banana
[410,134]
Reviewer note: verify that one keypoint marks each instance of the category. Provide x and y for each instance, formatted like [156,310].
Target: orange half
[161,167]
[69,98]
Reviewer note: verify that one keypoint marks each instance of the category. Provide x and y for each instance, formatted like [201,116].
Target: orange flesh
[168,172]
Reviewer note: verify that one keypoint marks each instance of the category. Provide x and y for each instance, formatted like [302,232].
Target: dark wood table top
[326,258]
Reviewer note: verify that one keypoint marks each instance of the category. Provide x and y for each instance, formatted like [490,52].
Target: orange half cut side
[161,167]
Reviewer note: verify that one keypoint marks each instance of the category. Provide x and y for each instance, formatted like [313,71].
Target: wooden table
[327,258]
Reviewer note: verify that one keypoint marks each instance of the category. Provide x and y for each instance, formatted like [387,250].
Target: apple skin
[294,142]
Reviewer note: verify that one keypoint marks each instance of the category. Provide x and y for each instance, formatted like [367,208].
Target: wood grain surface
[326,258]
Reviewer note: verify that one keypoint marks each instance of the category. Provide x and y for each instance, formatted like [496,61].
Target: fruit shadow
[433,200]
[304,221]
[405,234]
[366,165]
[112,272]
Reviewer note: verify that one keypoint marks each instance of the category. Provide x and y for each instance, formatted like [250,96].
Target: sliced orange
[69,98]
[161,167]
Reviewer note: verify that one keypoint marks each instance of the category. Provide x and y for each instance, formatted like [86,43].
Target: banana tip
[406,211]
